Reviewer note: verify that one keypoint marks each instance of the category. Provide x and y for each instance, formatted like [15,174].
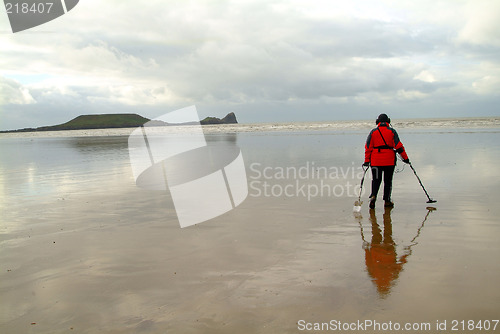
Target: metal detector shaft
[430,199]
[361,186]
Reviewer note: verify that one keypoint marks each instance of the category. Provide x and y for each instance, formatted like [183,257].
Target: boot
[389,204]
[372,202]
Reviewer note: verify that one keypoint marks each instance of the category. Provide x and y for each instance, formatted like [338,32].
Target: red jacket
[383,153]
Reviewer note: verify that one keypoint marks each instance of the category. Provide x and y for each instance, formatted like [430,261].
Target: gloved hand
[406,161]
[366,164]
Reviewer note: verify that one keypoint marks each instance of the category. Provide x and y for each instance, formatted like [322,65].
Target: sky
[264,60]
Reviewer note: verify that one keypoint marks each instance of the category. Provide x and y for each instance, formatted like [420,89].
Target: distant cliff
[106,121]
[228,119]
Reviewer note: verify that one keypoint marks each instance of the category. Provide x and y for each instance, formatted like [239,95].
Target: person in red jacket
[381,147]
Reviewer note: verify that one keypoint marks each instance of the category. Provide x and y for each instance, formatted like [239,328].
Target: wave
[450,124]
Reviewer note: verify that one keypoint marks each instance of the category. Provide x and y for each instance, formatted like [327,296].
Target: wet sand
[84,250]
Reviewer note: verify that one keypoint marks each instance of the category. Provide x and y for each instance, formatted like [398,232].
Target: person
[381,147]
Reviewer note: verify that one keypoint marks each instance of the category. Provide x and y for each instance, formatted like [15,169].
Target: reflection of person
[381,260]
[380,152]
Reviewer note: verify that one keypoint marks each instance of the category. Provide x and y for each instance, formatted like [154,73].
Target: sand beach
[84,250]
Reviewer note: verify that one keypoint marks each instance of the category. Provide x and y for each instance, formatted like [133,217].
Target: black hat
[383,118]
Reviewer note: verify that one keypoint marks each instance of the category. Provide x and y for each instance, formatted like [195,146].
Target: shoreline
[492,122]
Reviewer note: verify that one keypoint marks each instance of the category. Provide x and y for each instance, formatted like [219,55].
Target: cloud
[482,23]
[487,81]
[101,58]
[11,92]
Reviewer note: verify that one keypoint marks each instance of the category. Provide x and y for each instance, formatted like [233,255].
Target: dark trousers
[387,172]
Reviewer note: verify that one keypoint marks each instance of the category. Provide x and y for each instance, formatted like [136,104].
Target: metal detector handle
[364,173]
